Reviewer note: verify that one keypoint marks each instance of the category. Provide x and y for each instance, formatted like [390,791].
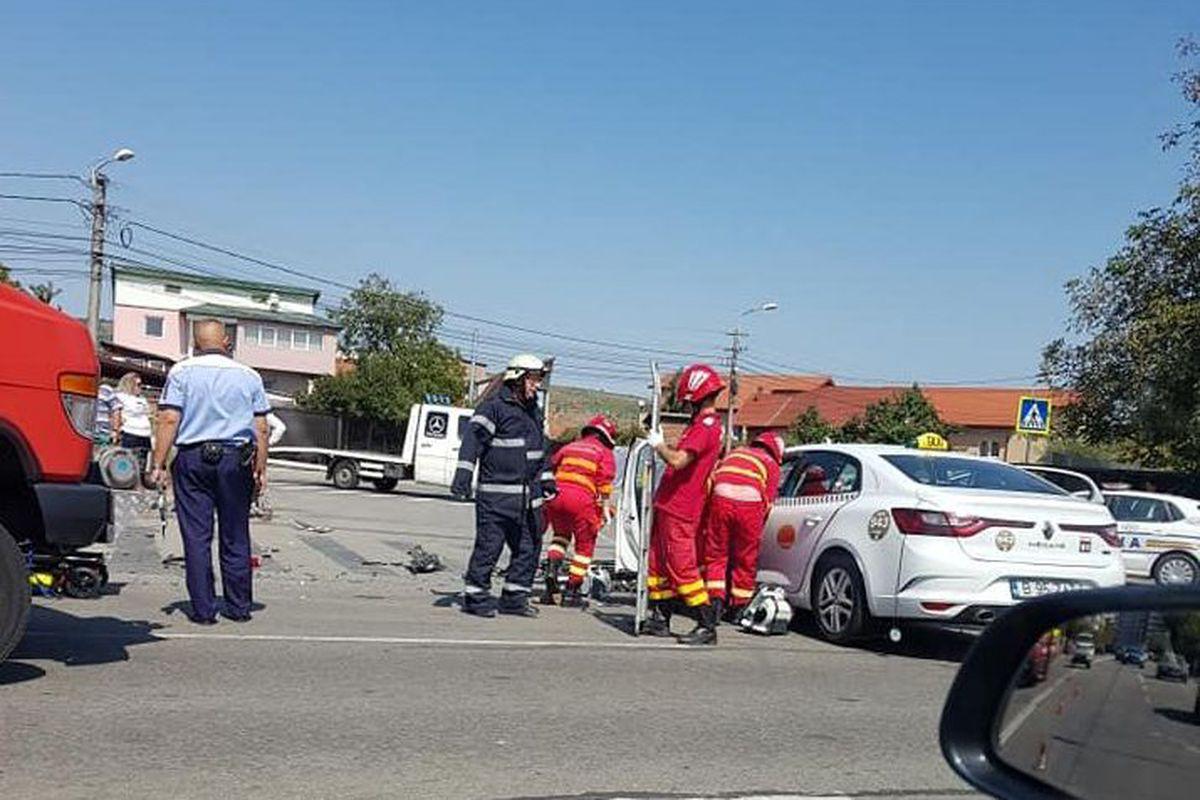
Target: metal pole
[471,375]
[95,283]
[734,349]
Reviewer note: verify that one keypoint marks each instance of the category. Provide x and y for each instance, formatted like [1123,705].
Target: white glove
[655,437]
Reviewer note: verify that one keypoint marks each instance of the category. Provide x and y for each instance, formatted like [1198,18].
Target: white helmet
[768,613]
[521,364]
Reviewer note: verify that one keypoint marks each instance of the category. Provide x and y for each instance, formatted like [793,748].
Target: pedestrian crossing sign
[1033,416]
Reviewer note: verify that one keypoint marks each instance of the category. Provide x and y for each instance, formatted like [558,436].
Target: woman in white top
[131,414]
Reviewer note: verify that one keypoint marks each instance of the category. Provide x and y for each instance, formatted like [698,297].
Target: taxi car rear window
[967,473]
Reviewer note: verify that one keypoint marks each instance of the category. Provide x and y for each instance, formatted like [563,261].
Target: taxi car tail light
[78,394]
[1106,532]
[918,522]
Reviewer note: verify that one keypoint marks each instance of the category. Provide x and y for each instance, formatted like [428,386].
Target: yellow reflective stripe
[577,570]
[585,560]
[654,580]
[605,488]
[582,463]
[714,584]
[557,548]
[742,592]
[694,586]
[665,594]
[753,461]
[573,477]
[739,471]
[698,599]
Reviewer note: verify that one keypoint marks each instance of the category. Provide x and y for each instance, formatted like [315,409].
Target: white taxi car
[863,532]
[1160,535]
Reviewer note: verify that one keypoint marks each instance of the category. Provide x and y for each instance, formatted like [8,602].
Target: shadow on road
[16,672]
[1175,715]
[73,641]
[930,644]
[184,607]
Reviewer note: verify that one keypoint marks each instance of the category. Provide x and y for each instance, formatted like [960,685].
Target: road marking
[1023,715]
[421,641]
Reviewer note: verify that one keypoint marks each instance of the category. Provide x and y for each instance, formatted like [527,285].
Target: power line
[50,175]
[620,346]
[43,199]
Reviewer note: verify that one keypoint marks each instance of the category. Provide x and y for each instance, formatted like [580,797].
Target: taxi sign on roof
[932,441]
[1033,416]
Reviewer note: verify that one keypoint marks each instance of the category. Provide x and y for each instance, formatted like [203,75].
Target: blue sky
[911,182]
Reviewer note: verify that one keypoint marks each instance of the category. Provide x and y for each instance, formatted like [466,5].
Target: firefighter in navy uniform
[506,435]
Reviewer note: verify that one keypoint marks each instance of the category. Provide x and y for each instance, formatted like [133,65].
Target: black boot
[705,631]
[553,592]
[659,621]
[718,605]
[573,598]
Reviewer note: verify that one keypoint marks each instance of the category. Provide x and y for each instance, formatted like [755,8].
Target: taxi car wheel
[838,599]
[1176,569]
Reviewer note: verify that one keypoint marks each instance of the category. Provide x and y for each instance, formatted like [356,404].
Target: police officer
[214,410]
[506,436]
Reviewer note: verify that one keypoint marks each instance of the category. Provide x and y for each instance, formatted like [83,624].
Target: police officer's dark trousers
[223,485]
[498,523]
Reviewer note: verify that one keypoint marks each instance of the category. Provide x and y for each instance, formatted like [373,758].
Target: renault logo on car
[1048,530]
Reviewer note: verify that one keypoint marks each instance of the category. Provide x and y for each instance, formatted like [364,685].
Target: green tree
[1133,361]
[6,275]
[397,358]
[46,292]
[898,419]
[811,428]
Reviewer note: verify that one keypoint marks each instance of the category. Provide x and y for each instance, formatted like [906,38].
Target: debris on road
[301,525]
[424,562]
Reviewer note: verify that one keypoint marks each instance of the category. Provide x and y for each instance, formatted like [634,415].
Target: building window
[267,337]
[171,288]
[989,448]
[154,327]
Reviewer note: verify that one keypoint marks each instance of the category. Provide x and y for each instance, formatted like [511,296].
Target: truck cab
[49,376]
[432,441]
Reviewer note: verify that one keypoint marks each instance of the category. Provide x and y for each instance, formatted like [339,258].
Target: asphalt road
[360,680]
[1113,731]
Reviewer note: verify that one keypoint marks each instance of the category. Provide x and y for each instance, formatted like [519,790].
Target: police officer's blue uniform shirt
[217,399]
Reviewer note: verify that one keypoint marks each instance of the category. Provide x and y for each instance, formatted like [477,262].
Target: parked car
[864,532]
[1160,535]
[1134,656]
[1083,650]
[1171,668]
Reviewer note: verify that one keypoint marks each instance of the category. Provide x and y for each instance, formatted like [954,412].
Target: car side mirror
[1058,698]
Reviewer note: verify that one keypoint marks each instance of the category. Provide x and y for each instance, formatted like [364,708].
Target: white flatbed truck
[430,453]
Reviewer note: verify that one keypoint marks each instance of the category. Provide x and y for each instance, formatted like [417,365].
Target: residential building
[273,327]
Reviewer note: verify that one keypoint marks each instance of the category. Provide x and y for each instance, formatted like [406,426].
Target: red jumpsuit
[584,472]
[745,484]
[678,503]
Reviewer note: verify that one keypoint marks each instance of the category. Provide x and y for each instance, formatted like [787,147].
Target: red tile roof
[756,385]
[962,406]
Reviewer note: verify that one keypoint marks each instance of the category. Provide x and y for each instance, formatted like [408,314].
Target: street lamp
[99,184]
[734,349]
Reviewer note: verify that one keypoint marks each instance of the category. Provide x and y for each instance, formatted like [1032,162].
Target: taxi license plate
[1025,588]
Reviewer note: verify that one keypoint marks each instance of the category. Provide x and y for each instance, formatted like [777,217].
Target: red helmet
[698,382]
[772,443]
[603,426]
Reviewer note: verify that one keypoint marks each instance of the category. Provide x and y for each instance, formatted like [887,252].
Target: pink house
[274,327]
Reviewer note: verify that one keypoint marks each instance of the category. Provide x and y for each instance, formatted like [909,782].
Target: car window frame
[803,460]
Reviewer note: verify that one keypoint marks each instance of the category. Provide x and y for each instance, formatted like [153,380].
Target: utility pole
[734,349]
[96,281]
[99,184]
[471,375]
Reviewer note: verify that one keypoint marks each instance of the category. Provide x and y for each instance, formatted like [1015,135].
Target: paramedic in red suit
[584,472]
[674,573]
[744,487]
